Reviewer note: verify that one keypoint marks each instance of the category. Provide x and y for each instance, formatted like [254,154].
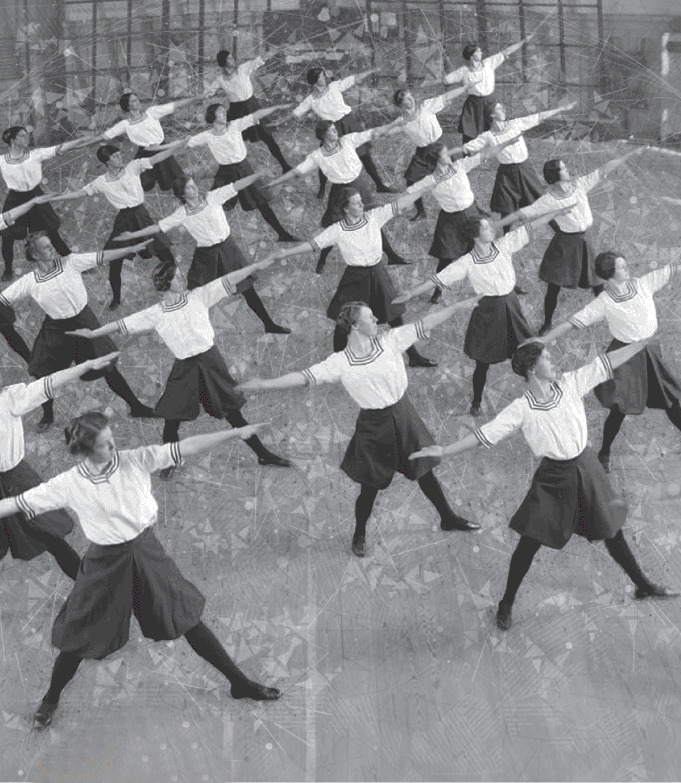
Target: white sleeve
[357,139]
[251,66]
[401,337]
[597,371]
[344,84]
[142,321]
[81,262]
[214,292]
[421,184]
[658,278]
[328,371]
[468,164]
[509,421]
[454,273]
[116,130]
[381,215]
[478,143]
[591,314]
[24,397]
[21,289]
[524,123]
[308,165]
[303,107]
[173,220]
[93,187]
[241,123]
[152,458]
[590,180]
[220,195]
[515,240]
[541,206]
[434,105]
[48,496]
[454,76]
[44,153]
[200,140]
[327,238]
[161,111]
[495,60]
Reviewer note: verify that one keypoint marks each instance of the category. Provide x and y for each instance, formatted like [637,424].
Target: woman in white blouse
[497,325]
[570,492]
[372,371]
[199,377]
[225,141]
[121,186]
[22,171]
[125,570]
[479,79]
[628,307]
[327,103]
[216,252]
[236,81]
[57,287]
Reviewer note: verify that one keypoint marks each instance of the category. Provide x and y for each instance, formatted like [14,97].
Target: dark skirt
[566,497]
[54,350]
[163,173]
[7,315]
[251,197]
[40,217]
[516,185]
[116,581]
[16,532]
[643,382]
[212,262]
[447,239]
[569,261]
[424,161]
[199,381]
[472,121]
[350,124]
[334,209]
[496,329]
[371,285]
[239,109]
[135,219]
[382,442]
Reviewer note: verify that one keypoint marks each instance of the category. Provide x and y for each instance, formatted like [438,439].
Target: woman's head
[526,357]
[476,228]
[129,101]
[166,276]
[471,51]
[350,203]
[89,435]
[611,264]
[184,188]
[313,76]
[225,59]
[212,112]
[357,316]
[39,247]
[552,171]
[324,129]
[15,133]
[403,99]
[106,152]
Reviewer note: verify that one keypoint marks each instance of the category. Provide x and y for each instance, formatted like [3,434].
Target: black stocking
[479,380]
[58,243]
[206,644]
[66,556]
[8,253]
[171,430]
[65,668]
[268,214]
[118,385]
[15,341]
[275,150]
[432,489]
[258,306]
[550,302]
[521,560]
[610,429]
[620,552]
[363,507]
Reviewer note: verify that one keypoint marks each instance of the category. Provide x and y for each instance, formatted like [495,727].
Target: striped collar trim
[137,121]
[195,210]
[376,351]
[333,151]
[182,302]
[58,269]
[100,478]
[559,194]
[347,227]
[628,293]
[448,173]
[15,161]
[545,405]
[479,259]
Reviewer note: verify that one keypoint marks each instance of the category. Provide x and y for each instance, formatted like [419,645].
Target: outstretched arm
[149,231]
[545,115]
[188,101]
[22,209]
[611,165]
[112,255]
[509,50]
[412,293]
[622,355]
[200,444]
[168,151]
[68,196]
[451,95]
[438,317]
[244,182]
[261,113]
[65,377]
[360,77]
[556,334]
[535,222]
[415,192]
[76,144]
[292,174]
[305,247]
[289,381]
[465,444]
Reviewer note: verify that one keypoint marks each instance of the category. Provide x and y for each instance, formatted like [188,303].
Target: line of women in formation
[125,569]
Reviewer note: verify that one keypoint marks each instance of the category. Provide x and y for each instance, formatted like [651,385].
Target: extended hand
[252,429]
[255,384]
[429,451]
[87,333]
[103,361]
[402,297]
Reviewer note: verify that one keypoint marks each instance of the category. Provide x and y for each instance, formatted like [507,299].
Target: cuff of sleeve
[310,380]
[574,321]
[7,219]
[484,440]
[421,333]
[437,282]
[674,268]
[122,328]
[315,246]
[25,508]
[607,365]
[175,452]
[530,232]
[231,290]
[100,258]
[5,301]
[49,390]
[396,208]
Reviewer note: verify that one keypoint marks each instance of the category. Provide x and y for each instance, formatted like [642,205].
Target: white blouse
[15,402]
[481,81]
[491,275]
[113,507]
[424,128]
[576,196]
[514,153]
[330,105]
[374,381]
[631,315]
[185,326]
[61,292]
[207,223]
[237,87]
[25,173]
[124,191]
[452,190]
[341,164]
[557,428]
[359,244]
[227,147]
[144,131]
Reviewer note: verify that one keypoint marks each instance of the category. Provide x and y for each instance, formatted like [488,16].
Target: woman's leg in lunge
[364,505]
[65,668]
[521,560]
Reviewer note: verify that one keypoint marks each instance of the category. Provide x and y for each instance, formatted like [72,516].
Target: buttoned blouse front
[359,244]
[340,164]
[25,173]
[239,86]
[330,104]
[227,147]
[489,275]
[631,314]
[479,81]
[184,326]
[514,153]
[15,402]
[124,191]
[112,507]
[555,428]
[374,381]
[576,196]
[207,222]
[60,292]
[144,131]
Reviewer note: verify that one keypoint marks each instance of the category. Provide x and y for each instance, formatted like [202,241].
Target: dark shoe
[359,546]
[269,458]
[604,459]
[475,410]
[454,522]
[520,291]
[504,618]
[321,191]
[167,473]
[654,591]
[437,295]
[546,328]
[288,238]
[418,216]
[398,261]
[386,189]
[416,360]
[43,425]
[276,329]
[115,304]
[8,275]
[143,412]
[254,690]
[44,715]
